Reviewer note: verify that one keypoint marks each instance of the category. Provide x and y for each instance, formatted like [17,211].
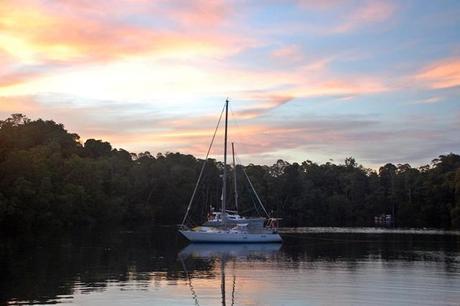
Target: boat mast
[224,187]
[234,177]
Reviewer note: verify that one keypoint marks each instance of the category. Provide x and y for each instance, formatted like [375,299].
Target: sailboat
[227,226]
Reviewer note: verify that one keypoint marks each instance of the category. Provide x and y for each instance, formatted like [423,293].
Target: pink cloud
[76,37]
[291,53]
[263,103]
[14,78]
[187,134]
[200,13]
[441,74]
[80,32]
[26,105]
[257,140]
[71,33]
[312,79]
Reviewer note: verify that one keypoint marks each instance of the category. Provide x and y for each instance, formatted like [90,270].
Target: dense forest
[49,180]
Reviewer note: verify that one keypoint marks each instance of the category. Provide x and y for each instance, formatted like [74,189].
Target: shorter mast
[224,187]
[234,177]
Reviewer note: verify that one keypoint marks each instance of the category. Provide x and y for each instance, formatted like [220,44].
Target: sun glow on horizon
[309,82]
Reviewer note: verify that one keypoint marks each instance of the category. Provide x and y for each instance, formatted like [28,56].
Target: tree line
[49,180]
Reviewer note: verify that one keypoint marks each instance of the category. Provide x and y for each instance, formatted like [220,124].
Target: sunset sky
[316,80]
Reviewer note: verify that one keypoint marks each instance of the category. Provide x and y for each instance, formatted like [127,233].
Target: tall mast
[234,177]
[224,188]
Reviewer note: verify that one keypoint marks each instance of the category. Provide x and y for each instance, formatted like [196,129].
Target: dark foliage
[48,179]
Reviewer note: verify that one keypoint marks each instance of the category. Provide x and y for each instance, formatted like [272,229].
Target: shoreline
[365,230]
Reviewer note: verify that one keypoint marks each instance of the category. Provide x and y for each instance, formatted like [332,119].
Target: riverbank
[366,230]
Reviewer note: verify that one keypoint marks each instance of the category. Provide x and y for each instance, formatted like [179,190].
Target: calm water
[312,267]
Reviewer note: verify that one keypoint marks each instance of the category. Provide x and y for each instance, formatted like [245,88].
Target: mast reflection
[225,253]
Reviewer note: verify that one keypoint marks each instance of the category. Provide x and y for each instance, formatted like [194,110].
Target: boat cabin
[217,216]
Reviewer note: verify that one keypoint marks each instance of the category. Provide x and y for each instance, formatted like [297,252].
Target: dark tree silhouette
[49,180]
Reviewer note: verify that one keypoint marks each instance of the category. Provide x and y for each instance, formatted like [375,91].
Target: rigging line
[189,279]
[253,189]
[251,196]
[255,206]
[234,119]
[255,192]
[202,167]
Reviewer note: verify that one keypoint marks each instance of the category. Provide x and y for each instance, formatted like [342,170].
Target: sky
[307,80]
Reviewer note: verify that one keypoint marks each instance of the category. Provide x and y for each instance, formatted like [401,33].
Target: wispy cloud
[430,100]
[200,13]
[442,74]
[89,53]
[72,33]
[291,53]
[135,128]
[264,103]
[16,77]
[347,16]
[148,74]
[372,12]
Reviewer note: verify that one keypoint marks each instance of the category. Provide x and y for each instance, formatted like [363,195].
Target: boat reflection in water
[225,253]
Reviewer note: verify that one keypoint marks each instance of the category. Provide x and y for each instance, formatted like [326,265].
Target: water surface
[156,267]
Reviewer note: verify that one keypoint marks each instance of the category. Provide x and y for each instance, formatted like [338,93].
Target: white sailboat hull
[230,237]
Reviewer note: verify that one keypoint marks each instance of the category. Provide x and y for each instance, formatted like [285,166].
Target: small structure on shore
[383,220]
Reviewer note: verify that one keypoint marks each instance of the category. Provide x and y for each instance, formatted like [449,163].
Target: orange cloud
[337,86]
[442,74]
[256,140]
[70,33]
[310,80]
[8,76]
[321,82]
[26,105]
[78,32]
[47,35]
